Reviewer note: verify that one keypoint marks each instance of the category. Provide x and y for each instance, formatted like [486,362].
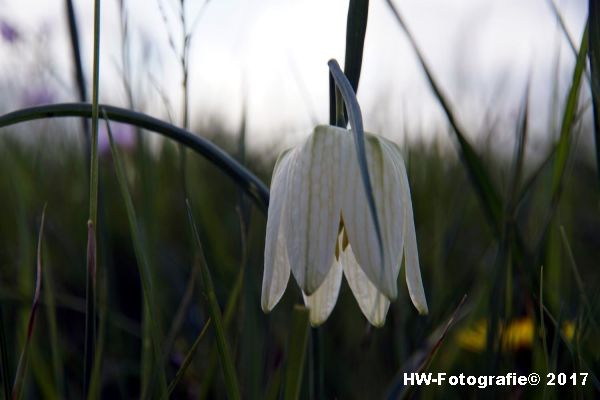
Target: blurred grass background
[499,329]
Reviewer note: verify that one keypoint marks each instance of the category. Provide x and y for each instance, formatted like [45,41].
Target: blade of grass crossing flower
[488,195]
[355,117]
[17,390]
[296,353]
[332,102]
[594,54]
[255,188]
[92,253]
[564,141]
[231,385]
[187,361]
[142,263]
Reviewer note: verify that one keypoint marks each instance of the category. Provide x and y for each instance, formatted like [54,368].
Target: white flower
[319,225]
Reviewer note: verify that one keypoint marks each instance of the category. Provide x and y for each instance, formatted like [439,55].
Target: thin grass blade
[186,361]
[50,308]
[563,27]
[230,308]
[480,177]
[78,67]
[422,362]
[17,390]
[231,383]
[142,263]
[555,322]
[4,366]
[542,323]
[564,141]
[519,158]
[356,28]
[578,279]
[92,253]
[182,309]
[296,353]
[594,54]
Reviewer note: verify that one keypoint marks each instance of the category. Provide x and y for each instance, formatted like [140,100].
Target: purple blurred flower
[8,32]
[37,96]
[123,135]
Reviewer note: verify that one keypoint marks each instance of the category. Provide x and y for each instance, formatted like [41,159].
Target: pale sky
[271,55]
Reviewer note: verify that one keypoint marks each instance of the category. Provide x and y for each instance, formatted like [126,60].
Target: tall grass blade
[186,361]
[231,383]
[519,158]
[542,323]
[142,263]
[533,177]
[565,31]
[76,48]
[356,28]
[560,335]
[182,309]
[296,353]
[5,370]
[355,117]
[594,54]
[90,305]
[488,195]
[50,308]
[247,181]
[213,358]
[92,251]
[564,141]
[95,384]
[578,279]
[230,308]
[17,390]
[78,67]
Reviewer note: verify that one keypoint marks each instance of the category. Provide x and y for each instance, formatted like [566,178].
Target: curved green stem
[247,181]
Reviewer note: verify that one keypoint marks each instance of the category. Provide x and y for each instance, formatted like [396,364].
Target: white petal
[373,304]
[358,222]
[321,302]
[413,271]
[313,207]
[277,267]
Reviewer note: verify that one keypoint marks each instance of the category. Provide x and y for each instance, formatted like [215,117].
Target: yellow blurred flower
[516,335]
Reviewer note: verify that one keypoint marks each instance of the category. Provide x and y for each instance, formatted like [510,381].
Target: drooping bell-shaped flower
[319,226]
